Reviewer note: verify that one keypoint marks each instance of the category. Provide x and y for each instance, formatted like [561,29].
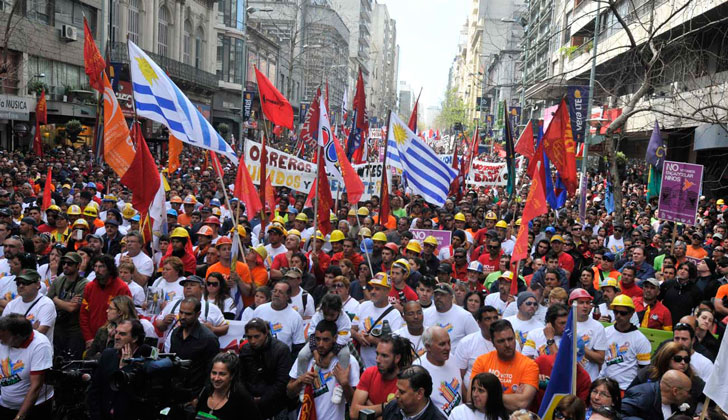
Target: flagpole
[384,167]
[227,203]
[574,347]
[319,152]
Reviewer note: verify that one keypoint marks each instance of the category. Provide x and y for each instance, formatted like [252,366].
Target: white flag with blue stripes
[160,100]
[424,173]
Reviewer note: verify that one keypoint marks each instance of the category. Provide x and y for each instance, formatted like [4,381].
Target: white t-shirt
[166,292]
[469,349]
[228,305]
[626,353]
[8,288]
[536,343]
[343,327]
[4,267]
[702,366]
[272,252]
[457,321]
[142,262]
[521,327]
[540,314]
[44,312]
[247,315]
[286,325]
[591,336]
[351,307]
[615,245]
[323,387]
[463,412]
[137,293]
[604,310]
[368,313]
[495,301]
[446,384]
[306,311]
[17,365]
[416,340]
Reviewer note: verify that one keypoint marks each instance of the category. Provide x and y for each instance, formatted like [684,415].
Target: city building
[382,88]
[357,15]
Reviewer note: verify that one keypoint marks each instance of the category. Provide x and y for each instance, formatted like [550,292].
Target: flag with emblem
[559,145]
[93,61]
[308,406]
[424,173]
[159,99]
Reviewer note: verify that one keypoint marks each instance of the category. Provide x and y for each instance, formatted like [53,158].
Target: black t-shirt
[238,403]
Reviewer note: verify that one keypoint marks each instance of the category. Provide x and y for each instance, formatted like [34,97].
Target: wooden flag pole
[227,203]
[385,137]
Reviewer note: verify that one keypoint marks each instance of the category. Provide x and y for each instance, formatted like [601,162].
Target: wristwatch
[550,342]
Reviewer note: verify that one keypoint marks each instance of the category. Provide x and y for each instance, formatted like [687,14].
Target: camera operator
[26,356]
[264,365]
[192,341]
[103,402]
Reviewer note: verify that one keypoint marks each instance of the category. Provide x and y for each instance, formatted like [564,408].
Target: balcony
[181,73]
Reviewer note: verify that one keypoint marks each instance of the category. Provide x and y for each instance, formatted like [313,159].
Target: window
[133,27]
[115,19]
[163,31]
[199,47]
[58,76]
[187,43]
[38,11]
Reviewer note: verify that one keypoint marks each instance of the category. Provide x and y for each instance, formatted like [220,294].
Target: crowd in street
[365,321]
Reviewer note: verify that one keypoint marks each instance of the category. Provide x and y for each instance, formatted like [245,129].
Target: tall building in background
[406,99]
[383,64]
[357,15]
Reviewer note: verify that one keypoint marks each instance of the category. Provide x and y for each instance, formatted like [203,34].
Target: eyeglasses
[621,313]
[561,416]
[339,286]
[459,256]
[24,282]
[213,284]
[601,393]
[678,359]
[530,303]
[68,263]
[493,246]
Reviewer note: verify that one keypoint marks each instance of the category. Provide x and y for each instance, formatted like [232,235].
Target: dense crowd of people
[365,321]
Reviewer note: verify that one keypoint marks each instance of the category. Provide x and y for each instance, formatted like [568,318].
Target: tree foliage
[452,111]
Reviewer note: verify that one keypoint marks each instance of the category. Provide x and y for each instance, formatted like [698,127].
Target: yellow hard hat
[80,223]
[179,232]
[352,212]
[380,279]
[319,236]
[260,250]
[501,224]
[216,211]
[431,240]
[279,227]
[610,282]
[404,264]
[301,217]
[622,300]
[363,211]
[490,215]
[460,217]
[53,207]
[336,236]
[379,236]
[241,231]
[518,222]
[278,219]
[295,232]
[333,218]
[74,210]
[414,246]
[720,202]
[190,199]
[128,211]
[365,232]
[90,211]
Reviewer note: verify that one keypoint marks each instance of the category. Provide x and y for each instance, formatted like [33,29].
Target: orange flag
[47,190]
[245,190]
[175,148]
[92,58]
[559,145]
[270,196]
[41,109]
[119,151]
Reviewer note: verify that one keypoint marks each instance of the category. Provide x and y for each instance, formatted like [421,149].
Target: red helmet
[579,293]
[223,240]
[212,220]
[392,247]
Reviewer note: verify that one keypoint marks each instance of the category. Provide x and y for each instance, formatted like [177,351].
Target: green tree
[453,111]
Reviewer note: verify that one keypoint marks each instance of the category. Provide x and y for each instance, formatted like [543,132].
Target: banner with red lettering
[487,174]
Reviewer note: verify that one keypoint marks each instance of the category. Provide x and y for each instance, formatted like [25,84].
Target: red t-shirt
[632,291]
[380,391]
[490,264]
[656,317]
[566,262]
[460,273]
[545,365]
[402,296]
[279,261]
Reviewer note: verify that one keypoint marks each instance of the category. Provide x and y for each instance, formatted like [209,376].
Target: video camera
[70,380]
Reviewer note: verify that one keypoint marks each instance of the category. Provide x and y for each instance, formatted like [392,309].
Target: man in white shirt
[276,234]
[446,379]
[684,334]
[524,320]
[285,323]
[301,300]
[475,344]
[501,299]
[36,308]
[413,329]
[591,339]
[454,319]
[627,348]
[546,340]
[142,262]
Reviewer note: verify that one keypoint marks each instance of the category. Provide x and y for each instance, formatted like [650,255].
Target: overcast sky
[427,34]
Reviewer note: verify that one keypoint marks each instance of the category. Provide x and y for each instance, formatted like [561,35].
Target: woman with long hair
[217,292]
[52,269]
[570,407]
[486,400]
[704,332]
[474,301]
[121,308]
[223,397]
[603,393]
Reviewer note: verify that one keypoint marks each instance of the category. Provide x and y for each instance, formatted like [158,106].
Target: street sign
[247,104]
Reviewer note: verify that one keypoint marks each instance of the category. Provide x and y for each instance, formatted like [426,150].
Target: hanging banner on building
[247,104]
[302,111]
[577,98]
[487,174]
[680,192]
[444,237]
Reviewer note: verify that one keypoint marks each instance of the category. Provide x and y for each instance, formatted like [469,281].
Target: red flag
[245,190]
[412,124]
[216,164]
[275,106]
[524,147]
[92,58]
[308,406]
[142,177]
[362,121]
[458,182]
[325,201]
[277,130]
[535,206]
[47,190]
[41,109]
[384,208]
[560,148]
[37,141]
[498,149]
[263,172]
[270,196]
[472,152]
[309,129]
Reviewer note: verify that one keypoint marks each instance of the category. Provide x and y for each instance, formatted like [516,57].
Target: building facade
[383,64]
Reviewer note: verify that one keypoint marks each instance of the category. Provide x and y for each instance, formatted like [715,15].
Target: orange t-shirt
[722,292]
[697,254]
[184,219]
[512,373]
[240,268]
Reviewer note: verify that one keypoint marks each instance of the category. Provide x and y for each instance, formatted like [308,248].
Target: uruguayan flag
[423,171]
[160,100]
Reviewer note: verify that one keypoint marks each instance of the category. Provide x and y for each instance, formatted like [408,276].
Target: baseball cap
[73,257]
[192,279]
[444,268]
[609,256]
[653,281]
[294,273]
[443,288]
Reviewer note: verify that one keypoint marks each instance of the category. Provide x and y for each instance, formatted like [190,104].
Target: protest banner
[284,169]
[443,237]
[371,176]
[680,192]
[487,174]
[235,336]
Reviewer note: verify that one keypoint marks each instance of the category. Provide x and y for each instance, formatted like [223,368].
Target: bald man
[658,400]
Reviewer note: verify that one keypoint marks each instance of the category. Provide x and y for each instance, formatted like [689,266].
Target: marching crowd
[365,321]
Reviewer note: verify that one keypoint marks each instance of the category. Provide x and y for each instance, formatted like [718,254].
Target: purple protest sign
[443,237]
[680,192]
